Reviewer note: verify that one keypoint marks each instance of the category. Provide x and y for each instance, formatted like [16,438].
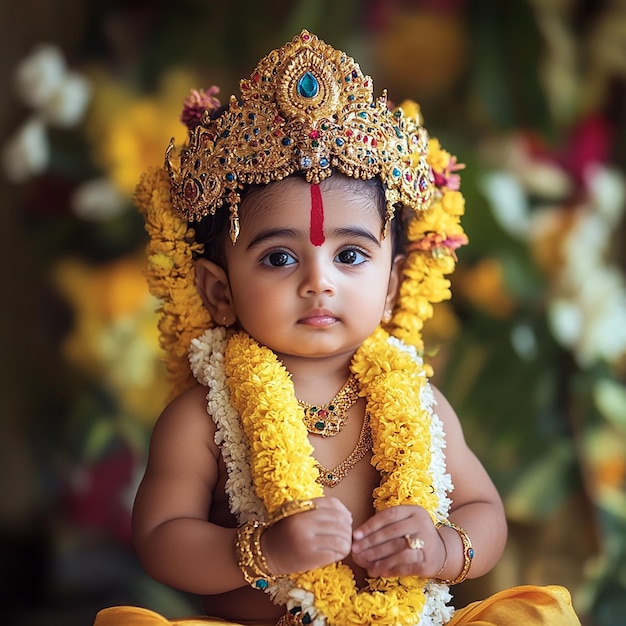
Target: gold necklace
[328,419]
[331,477]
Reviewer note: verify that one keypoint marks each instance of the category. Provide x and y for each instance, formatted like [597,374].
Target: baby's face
[311,274]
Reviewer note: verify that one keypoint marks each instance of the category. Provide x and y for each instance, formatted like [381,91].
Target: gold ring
[414,543]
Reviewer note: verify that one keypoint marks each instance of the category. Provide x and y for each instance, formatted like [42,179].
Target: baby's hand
[310,539]
[382,545]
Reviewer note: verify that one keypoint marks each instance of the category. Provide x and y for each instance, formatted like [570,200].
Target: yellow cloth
[519,606]
[529,604]
[135,616]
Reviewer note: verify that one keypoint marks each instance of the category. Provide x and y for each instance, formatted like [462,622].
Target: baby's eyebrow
[357,231]
[350,232]
[274,233]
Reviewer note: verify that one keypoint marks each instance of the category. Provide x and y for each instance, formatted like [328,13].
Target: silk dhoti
[527,605]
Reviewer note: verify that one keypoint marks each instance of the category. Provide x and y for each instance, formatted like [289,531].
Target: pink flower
[435,242]
[446,178]
[196,103]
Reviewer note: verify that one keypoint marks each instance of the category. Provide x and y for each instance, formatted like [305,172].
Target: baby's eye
[350,256]
[278,259]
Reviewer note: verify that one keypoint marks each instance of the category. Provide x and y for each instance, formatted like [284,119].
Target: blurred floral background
[530,94]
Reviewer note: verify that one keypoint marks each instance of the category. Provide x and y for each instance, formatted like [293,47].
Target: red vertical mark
[317,216]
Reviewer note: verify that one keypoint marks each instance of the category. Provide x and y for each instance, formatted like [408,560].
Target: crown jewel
[306,108]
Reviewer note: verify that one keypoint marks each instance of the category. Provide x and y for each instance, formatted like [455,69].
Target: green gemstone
[319,425]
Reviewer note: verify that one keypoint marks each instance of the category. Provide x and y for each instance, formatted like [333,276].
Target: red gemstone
[191,190]
[314,134]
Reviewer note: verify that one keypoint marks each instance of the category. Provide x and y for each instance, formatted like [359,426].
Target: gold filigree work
[306,108]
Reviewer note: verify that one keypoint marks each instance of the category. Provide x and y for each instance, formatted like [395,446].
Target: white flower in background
[509,202]
[58,97]
[589,315]
[27,152]
[592,321]
[584,249]
[587,299]
[40,75]
[607,188]
[68,103]
[98,200]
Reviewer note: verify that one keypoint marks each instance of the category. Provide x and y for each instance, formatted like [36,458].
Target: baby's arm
[476,504]
[379,544]
[174,540]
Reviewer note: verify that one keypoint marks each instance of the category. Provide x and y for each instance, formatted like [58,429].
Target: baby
[309,473]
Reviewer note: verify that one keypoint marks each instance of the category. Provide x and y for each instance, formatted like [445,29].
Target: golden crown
[306,108]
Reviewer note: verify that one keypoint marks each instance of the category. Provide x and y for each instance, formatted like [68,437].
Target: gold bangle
[250,559]
[468,554]
[445,549]
[290,508]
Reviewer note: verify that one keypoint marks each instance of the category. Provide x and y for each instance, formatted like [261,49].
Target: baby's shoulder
[186,420]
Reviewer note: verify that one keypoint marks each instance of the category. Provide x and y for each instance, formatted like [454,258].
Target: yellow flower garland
[171,276]
[283,469]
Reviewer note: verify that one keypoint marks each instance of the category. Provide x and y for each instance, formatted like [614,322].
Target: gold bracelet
[250,559]
[468,554]
[445,549]
[291,508]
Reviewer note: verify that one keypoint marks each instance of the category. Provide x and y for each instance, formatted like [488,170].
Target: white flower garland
[206,357]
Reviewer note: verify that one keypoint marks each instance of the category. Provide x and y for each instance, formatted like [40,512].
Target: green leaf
[544,485]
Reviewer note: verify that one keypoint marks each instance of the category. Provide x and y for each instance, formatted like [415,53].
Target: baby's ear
[214,289]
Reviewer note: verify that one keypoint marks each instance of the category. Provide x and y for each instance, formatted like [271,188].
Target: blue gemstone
[396,172]
[324,162]
[286,141]
[230,177]
[261,584]
[308,87]
[339,141]
[470,553]
[305,162]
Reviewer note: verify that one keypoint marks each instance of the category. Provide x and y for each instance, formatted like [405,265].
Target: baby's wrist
[252,556]
[447,570]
